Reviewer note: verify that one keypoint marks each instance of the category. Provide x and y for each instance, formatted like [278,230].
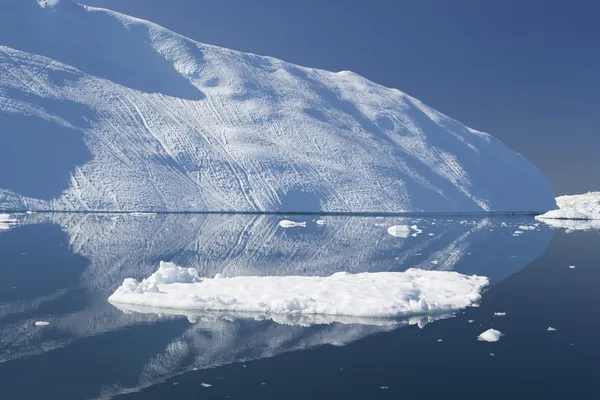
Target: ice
[321,222]
[286,223]
[369,295]
[491,335]
[500,314]
[573,225]
[571,266]
[163,123]
[527,227]
[206,385]
[578,207]
[551,329]
[42,323]
[6,222]
[401,231]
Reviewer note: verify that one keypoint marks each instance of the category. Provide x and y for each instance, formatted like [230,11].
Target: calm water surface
[61,268]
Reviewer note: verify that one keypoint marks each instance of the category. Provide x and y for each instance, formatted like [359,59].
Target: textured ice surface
[103,111]
[491,335]
[580,207]
[376,295]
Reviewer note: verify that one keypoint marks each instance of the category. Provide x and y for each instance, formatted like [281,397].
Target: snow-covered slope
[582,206]
[102,111]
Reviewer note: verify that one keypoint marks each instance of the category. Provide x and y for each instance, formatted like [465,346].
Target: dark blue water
[61,268]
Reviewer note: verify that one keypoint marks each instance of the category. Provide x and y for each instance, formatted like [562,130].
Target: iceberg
[372,295]
[575,213]
[106,112]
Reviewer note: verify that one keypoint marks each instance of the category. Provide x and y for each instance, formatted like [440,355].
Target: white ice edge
[365,295]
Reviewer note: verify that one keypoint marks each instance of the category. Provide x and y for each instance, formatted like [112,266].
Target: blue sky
[526,71]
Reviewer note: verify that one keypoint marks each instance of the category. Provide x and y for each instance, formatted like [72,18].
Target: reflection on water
[61,268]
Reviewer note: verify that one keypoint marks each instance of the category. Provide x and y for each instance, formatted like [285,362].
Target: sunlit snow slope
[101,111]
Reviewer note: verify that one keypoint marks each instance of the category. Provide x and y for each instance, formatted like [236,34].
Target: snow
[401,231]
[527,227]
[371,295]
[141,119]
[491,335]
[291,224]
[42,323]
[6,222]
[579,207]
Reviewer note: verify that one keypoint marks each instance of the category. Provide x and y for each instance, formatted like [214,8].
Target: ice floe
[6,222]
[42,323]
[286,223]
[582,207]
[372,295]
[401,231]
[491,335]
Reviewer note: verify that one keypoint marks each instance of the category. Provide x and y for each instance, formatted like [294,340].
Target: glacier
[106,112]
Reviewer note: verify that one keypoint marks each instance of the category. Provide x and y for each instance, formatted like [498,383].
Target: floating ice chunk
[435,262]
[571,266]
[527,227]
[491,335]
[42,323]
[373,295]
[384,387]
[440,340]
[432,234]
[583,206]
[499,314]
[321,222]
[518,233]
[401,231]
[286,223]
[206,385]
[6,222]
[416,229]
[471,321]
[551,329]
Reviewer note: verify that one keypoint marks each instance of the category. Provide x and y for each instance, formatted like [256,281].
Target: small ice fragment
[205,384]
[440,340]
[42,323]
[321,222]
[551,329]
[263,384]
[499,314]
[571,266]
[432,234]
[383,387]
[471,321]
[492,354]
[435,262]
[491,335]
[401,231]
[286,223]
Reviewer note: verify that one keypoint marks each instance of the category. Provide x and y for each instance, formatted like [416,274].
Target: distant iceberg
[576,212]
[371,295]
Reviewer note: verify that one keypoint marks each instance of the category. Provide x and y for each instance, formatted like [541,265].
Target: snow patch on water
[373,295]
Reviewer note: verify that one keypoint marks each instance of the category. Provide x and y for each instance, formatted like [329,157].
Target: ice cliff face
[101,111]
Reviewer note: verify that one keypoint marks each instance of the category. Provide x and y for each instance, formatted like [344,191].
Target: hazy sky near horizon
[525,71]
